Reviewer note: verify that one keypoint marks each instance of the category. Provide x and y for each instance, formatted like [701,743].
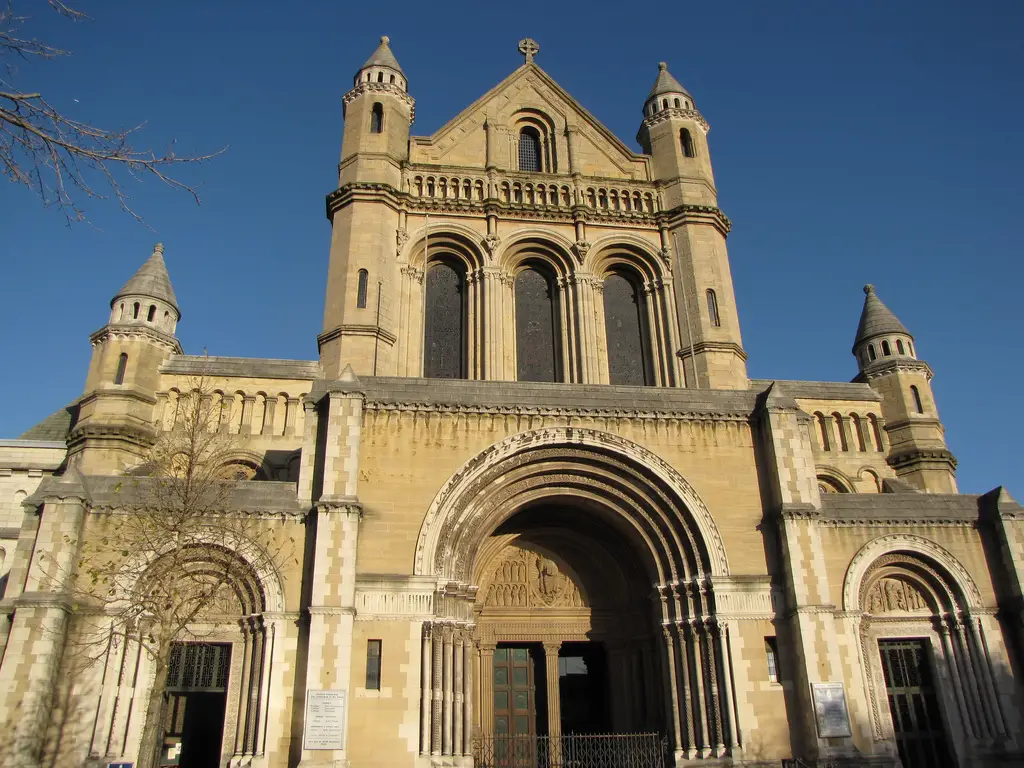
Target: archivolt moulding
[445,513]
[904,542]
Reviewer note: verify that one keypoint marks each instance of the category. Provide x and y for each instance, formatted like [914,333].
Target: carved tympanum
[890,595]
[525,579]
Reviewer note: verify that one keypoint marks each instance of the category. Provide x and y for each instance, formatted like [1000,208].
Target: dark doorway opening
[914,704]
[583,688]
[197,688]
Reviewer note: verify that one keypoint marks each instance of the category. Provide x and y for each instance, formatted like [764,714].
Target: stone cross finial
[529,48]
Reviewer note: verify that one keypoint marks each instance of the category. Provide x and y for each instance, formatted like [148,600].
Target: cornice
[912,456]
[385,193]
[886,366]
[674,113]
[901,522]
[688,213]
[356,330]
[388,88]
[713,346]
[522,410]
[113,331]
[141,437]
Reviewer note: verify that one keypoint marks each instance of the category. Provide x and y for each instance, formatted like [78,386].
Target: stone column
[670,316]
[672,690]
[957,681]
[554,697]
[291,417]
[467,694]
[487,689]
[731,724]
[703,739]
[426,688]
[248,403]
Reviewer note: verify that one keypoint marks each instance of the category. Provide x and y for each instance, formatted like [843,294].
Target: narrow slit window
[364,277]
[871,351]
[377,118]
[917,398]
[677,103]
[122,365]
[152,313]
[771,652]
[886,349]
[380,77]
[713,309]
[529,150]
[135,311]
[899,346]
[373,665]
[686,141]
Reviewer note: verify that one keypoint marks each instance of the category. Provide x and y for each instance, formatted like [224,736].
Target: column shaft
[554,698]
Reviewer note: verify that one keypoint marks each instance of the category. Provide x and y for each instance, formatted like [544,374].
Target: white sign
[325,720]
[830,710]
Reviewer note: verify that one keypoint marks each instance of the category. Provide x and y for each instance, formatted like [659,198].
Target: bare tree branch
[63,160]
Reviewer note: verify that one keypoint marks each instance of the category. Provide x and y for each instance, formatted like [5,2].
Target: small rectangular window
[373,665]
[771,650]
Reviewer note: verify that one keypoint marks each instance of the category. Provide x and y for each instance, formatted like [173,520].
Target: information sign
[325,720]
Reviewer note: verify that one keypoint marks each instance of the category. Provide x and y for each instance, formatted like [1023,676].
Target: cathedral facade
[545,516]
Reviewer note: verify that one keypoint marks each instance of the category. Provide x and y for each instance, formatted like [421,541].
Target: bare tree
[62,159]
[178,551]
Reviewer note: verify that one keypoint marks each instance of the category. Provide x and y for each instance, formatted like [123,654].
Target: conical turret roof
[876,319]
[666,83]
[383,57]
[151,280]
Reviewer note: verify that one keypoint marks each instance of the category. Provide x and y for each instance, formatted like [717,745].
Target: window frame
[374,669]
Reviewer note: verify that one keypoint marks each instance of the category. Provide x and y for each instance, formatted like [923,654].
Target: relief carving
[889,595]
[526,579]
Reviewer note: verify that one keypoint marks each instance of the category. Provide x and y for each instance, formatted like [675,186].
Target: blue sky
[852,142]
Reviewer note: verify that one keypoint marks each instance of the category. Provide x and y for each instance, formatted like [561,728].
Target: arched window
[677,103]
[392,79]
[899,346]
[361,289]
[625,325]
[152,313]
[886,350]
[122,364]
[444,335]
[858,430]
[135,311]
[837,421]
[377,118]
[380,77]
[917,398]
[910,348]
[871,351]
[876,433]
[122,312]
[686,141]
[823,432]
[713,309]
[664,103]
[537,338]
[529,150]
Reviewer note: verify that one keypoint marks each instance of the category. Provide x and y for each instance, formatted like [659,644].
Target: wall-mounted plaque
[830,710]
[324,727]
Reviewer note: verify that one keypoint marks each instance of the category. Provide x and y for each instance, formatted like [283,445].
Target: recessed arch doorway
[584,564]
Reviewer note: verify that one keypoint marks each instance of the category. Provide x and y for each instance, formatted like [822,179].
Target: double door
[914,704]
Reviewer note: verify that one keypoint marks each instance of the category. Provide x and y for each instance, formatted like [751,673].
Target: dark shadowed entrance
[197,686]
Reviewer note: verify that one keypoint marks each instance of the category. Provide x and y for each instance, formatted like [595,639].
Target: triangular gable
[461,142]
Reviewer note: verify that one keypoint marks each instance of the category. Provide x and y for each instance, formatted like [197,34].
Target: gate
[914,704]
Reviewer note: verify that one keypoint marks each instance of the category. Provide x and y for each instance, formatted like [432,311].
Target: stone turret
[888,361]
[115,425]
[674,134]
[359,327]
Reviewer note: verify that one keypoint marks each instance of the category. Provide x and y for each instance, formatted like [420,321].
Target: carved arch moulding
[862,562]
[457,505]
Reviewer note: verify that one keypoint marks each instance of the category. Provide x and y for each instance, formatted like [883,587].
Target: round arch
[451,237]
[624,249]
[947,565]
[536,244]
[651,501]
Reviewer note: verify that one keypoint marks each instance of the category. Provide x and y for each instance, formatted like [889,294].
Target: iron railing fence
[604,750]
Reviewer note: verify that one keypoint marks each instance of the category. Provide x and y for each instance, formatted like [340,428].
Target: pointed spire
[666,83]
[383,57]
[876,319]
[151,280]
